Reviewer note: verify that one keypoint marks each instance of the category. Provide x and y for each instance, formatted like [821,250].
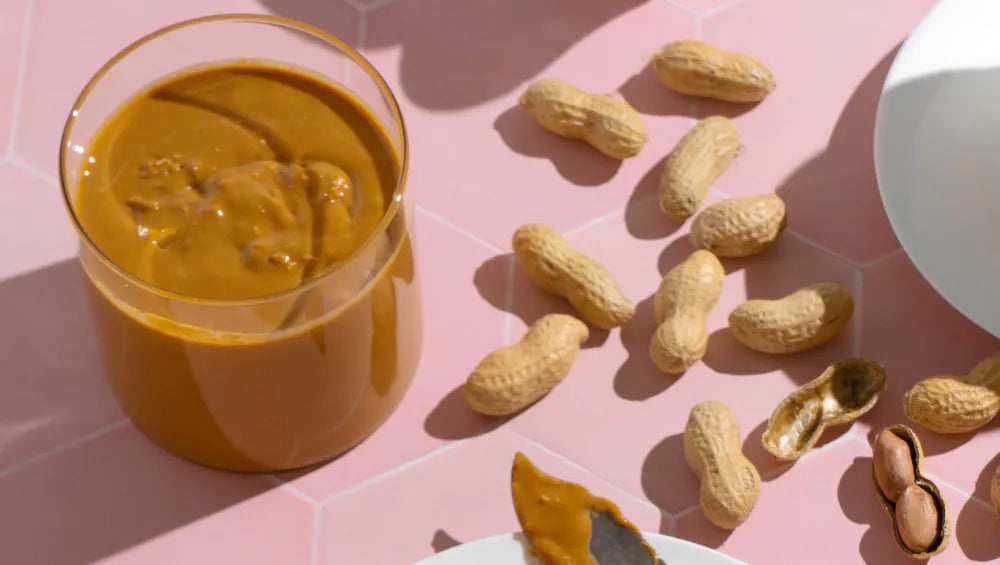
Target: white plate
[937,154]
[511,549]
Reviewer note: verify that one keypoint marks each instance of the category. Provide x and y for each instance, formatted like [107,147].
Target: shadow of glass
[108,495]
[52,388]
[437,75]
[73,471]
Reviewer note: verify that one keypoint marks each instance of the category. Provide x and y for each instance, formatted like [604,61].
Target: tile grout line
[572,463]
[970,495]
[317,523]
[721,8]
[460,230]
[681,7]
[379,477]
[291,489]
[814,244]
[22,71]
[26,167]
[63,447]
[671,523]
[593,222]
[883,259]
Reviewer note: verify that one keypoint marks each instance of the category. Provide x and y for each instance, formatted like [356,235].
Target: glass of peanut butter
[237,182]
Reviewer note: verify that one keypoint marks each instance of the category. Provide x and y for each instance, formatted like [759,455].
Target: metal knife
[555,512]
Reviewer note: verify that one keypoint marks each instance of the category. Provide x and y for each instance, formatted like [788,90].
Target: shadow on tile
[838,187]
[576,160]
[975,525]
[108,495]
[443,541]
[860,505]
[527,302]
[452,418]
[643,217]
[638,378]
[666,479]
[436,75]
[644,92]
[52,387]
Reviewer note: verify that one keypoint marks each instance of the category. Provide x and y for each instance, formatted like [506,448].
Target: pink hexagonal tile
[70,41]
[120,494]
[911,330]
[811,140]
[456,496]
[433,411]
[824,510]
[55,381]
[15,13]
[38,204]
[478,159]
[615,392]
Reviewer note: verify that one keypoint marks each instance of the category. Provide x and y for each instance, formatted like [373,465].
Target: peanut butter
[240,182]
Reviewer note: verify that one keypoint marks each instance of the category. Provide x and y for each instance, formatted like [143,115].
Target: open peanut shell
[843,393]
[940,542]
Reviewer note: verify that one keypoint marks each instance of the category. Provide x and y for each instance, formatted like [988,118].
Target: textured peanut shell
[552,265]
[799,321]
[740,227]
[943,528]
[893,464]
[842,393]
[686,295]
[730,484]
[696,68]
[515,376]
[701,155]
[608,124]
[954,404]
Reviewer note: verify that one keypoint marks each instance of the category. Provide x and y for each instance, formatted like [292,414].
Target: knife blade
[565,523]
[614,544]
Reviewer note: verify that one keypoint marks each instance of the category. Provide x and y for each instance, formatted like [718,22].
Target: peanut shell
[697,68]
[555,267]
[701,155]
[796,322]
[953,404]
[842,393]
[515,376]
[942,527]
[740,227]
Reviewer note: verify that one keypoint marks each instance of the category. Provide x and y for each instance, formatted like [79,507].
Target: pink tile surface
[433,411]
[436,474]
[811,140]
[449,501]
[11,35]
[464,100]
[116,493]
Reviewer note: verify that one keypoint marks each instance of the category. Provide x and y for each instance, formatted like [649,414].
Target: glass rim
[393,208]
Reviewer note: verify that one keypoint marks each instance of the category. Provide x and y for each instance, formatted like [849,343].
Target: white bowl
[512,549]
[937,154]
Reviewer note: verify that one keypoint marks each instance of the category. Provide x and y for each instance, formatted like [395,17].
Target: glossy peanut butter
[245,182]
[555,515]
